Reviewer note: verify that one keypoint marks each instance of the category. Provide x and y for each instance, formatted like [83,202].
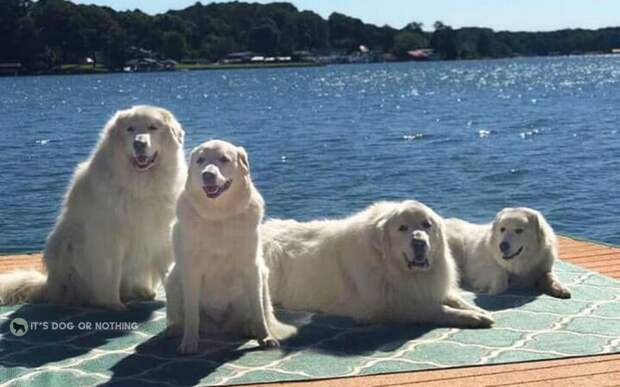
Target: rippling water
[468,138]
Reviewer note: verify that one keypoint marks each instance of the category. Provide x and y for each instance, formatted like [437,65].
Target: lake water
[468,138]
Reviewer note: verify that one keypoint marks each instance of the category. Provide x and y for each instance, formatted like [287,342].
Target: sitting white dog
[517,250]
[111,242]
[389,262]
[220,281]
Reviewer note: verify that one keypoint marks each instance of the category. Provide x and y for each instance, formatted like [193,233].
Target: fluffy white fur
[389,262]
[220,282]
[516,250]
[111,242]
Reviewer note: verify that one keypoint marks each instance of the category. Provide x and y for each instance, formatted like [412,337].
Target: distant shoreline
[89,69]
[72,69]
[234,66]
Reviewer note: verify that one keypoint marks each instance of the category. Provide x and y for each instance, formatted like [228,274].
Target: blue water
[468,138]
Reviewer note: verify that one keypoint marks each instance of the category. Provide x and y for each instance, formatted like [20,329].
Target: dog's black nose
[139,145]
[419,247]
[208,177]
[504,247]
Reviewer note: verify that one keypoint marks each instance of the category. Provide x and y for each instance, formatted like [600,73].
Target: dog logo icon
[18,327]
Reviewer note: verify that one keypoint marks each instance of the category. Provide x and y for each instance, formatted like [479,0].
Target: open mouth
[143,162]
[213,190]
[416,263]
[509,257]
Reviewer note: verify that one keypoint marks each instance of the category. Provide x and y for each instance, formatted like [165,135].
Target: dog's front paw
[559,291]
[481,320]
[188,346]
[481,311]
[268,342]
[189,343]
[486,320]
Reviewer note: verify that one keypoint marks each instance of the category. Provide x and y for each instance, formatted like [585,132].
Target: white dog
[220,282]
[516,250]
[111,242]
[389,262]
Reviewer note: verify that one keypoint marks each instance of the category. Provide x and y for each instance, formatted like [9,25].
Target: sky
[512,15]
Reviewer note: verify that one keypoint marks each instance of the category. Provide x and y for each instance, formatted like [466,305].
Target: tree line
[47,33]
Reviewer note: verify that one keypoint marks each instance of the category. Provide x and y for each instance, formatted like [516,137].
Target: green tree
[346,32]
[31,51]
[488,46]
[406,41]
[116,50]
[414,27]
[215,47]
[264,38]
[11,11]
[311,31]
[444,41]
[174,45]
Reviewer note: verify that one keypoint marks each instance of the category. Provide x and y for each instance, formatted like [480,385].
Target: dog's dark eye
[130,129]
[403,228]
[519,230]
[224,159]
[426,224]
[503,229]
[152,128]
[200,160]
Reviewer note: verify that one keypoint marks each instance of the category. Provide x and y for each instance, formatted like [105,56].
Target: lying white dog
[220,282]
[111,242]
[389,262]
[516,250]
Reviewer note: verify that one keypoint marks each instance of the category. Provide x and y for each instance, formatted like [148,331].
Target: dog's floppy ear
[175,128]
[498,218]
[242,158]
[544,232]
[444,248]
[381,237]
[113,123]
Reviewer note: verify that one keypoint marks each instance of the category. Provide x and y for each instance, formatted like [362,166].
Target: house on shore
[239,57]
[422,54]
[142,64]
[253,58]
[303,56]
[150,64]
[10,68]
[169,64]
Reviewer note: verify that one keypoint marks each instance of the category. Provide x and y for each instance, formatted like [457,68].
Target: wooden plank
[597,255]
[588,257]
[564,370]
[613,274]
[604,265]
[582,248]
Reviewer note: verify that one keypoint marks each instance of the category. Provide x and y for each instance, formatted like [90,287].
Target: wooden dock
[601,370]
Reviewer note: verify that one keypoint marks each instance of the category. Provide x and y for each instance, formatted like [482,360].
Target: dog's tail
[23,286]
[279,330]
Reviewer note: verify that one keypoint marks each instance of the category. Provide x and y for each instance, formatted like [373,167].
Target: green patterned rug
[79,347]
